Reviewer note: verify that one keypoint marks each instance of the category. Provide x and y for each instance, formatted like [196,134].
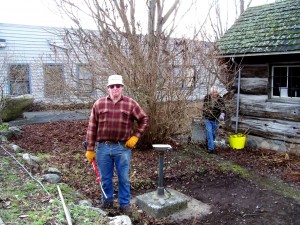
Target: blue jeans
[108,156]
[211,132]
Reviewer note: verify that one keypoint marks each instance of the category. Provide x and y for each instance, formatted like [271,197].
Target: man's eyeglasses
[115,85]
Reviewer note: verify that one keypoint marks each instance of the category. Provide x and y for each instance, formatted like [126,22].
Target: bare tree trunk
[242,6]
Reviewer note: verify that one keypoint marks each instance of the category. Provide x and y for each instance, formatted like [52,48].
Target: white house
[32,63]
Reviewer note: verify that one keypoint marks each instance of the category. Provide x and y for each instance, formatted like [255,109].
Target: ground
[249,186]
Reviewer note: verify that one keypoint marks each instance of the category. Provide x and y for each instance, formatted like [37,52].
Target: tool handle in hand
[96,171]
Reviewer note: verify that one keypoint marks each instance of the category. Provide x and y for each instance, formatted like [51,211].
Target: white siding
[33,45]
[27,44]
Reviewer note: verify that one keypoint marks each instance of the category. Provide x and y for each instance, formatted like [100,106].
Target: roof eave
[239,55]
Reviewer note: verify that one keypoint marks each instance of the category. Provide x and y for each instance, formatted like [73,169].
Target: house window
[286,81]
[54,80]
[184,77]
[18,79]
[85,79]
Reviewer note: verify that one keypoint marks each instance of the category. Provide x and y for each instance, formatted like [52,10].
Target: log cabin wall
[264,41]
[272,124]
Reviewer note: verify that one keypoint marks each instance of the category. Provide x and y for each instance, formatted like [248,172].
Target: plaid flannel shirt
[111,121]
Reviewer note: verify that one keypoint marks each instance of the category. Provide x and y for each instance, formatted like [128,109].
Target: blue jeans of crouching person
[211,133]
[108,156]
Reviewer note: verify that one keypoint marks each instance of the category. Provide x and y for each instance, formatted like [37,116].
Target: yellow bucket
[237,141]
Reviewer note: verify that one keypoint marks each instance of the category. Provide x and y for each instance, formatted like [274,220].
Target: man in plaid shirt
[110,138]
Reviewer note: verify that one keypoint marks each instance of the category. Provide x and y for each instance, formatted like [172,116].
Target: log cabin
[263,47]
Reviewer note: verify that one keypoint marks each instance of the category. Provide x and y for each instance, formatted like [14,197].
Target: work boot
[126,210]
[107,204]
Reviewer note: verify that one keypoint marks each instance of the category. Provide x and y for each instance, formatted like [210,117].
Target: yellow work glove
[131,142]
[90,155]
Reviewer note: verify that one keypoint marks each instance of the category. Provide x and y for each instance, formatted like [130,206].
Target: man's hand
[222,116]
[90,155]
[131,142]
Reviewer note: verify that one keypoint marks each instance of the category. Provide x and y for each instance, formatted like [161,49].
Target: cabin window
[18,79]
[286,81]
[54,80]
[184,77]
[85,79]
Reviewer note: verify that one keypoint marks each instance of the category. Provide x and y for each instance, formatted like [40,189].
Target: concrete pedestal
[178,207]
[162,205]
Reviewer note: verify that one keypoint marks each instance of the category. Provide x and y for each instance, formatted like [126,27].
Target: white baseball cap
[115,79]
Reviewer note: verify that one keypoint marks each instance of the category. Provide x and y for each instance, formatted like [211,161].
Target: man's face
[214,93]
[115,90]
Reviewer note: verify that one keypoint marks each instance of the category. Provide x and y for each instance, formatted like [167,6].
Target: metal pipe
[160,189]
[238,102]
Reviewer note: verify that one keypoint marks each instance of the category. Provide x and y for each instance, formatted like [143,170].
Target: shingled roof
[271,28]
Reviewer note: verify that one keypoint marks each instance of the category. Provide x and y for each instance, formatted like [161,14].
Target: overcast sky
[41,12]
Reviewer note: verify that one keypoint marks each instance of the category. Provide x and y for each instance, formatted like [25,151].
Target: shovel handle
[96,171]
[98,177]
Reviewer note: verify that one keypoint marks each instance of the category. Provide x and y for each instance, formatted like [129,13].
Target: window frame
[182,81]
[81,82]
[50,83]
[25,81]
[286,89]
